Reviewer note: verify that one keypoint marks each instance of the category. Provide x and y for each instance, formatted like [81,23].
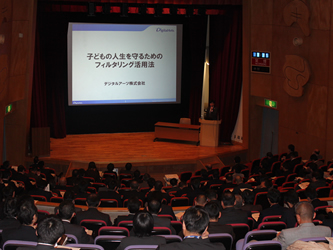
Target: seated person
[111,192]
[143,224]
[80,189]
[304,215]
[158,193]
[92,172]
[134,192]
[195,225]
[273,197]
[133,206]
[10,210]
[174,184]
[311,196]
[66,213]
[69,196]
[288,216]
[127,170]
[200,200]
[74,178]
[248,199]
[110,169]
[229,214]
[40,190]
[49,232]
[93,201]
[27,216]
[318,180]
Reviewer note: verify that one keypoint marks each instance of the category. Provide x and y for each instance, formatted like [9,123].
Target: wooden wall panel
[329,125]
[320,14]
[262,12]
[16,90]
[25,10]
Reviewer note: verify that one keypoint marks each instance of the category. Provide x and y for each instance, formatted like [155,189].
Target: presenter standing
[212,112]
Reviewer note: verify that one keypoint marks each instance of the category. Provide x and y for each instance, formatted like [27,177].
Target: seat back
[126,223]
[108,203]
[224,238]
[86,246]
[110,242]
[141,247]
[108,230]
[275,225]
[263,245]
[323,192]
[93,225]
[171,238]
[13,244]
[56,199]
[185,176]
[161,231]
[260,235]
[177,225]
[240,230]
[71,239]
[179,201]
[271,218]
[39,197]
[261,199]
[80,201]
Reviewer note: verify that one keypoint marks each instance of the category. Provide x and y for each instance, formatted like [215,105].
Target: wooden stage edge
[156,158]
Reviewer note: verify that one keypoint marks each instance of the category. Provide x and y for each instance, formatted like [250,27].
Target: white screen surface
[123,64]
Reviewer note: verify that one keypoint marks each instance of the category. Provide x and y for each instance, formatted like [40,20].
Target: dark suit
[317,184]
[212,115]
[92,214]
[231,215]
[193,243]
[167,210]
[79,232]
[8,223]
[289,217]
[122,218]
[134,240]
[25,179]
[163,222]
[273,210]
[23,232]
[249,207]
[93,174]
[158,195]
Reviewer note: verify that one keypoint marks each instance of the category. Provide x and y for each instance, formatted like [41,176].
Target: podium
[209,132]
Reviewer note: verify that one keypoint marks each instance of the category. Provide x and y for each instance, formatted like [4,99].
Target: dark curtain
[225,58]
[197,48]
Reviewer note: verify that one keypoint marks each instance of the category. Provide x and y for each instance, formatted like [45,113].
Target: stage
[156,158]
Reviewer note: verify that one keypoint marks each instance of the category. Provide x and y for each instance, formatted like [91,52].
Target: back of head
[196,220]
[26,213]
[238,180]
[154,206]
[20,168]
[81,172]
[75,172]
[110,167]
[237,159]
[143,224]
[136,174]
[201,199]
[305,210]
[228,199]
[274,195]
[158,185]
[112,184]
[69,195]
[134,185]
[62,181]
[248,196]
[216,174]
[133,205]
[269,155]
[212,210]
[8,191]
[173,182]
[291,197]
[204,173]
[92,165]
[318,175]
[238,201]
[128,166]
[311,193]
[211,194]
[93,200]
[66,210]
[5,164]
[291,147]
[83,185]
[151,182]
[50,229]
[313,157]
[10,207]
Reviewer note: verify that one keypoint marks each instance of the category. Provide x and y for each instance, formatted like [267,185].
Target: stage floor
[129,147]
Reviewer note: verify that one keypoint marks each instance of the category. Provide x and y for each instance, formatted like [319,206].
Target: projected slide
[123,64]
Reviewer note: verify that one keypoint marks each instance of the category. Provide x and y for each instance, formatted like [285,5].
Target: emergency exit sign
[270,103]
[261,62]
[8,108]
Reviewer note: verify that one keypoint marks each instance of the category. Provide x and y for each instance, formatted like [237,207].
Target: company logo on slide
[164,30]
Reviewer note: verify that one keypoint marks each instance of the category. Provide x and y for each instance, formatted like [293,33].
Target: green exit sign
[270,103]
[9,108]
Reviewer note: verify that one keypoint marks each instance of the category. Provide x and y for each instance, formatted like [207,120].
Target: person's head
[146,177]
[238,201]
[158,185]
[304,212]
[27,214]
[50,229]
[66,210]
[133,205]
[248,196]
[195,183]
[128,166]
[228,199]
[212,104]
[62,181]
[6,164]
[313,157]
[266,182]
[291,198]
[83,186]
[151,182]
[317,152]
[93,200]
[195,221]
[211,194]
[36,159]
[154,206]
[238,180]
[209,167]
[310,193]
[237,159]
[173,182]
[212,210]
[10,207]
[21,169]
[181,184]
[134,185]
[92,165]
[113,185]
[273,196]
[136,174]
[143,223]
[75,172]
[291,148]
[216,174]
[81,172]
[8,191]
[69,195]
[269,155]
[110,167]
[201,200]
[229,179]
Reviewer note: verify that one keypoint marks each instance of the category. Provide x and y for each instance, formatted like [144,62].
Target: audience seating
[98,185]
[261,199]
[125,176]
[109,242]
[39,197]
[261,245]
[161,231]
[250,222]
[323,192]
[109,203]
[86,246]
[80,201]
[56,199]
[90,179]
[111,230]
[125,203]
[126,223]
[71,239]
[93,225]
[271,218]
[185,176]
[110,175]
[256,236]
[224,238]
[177,225]
[179,201]
[171,238]
[13,244]
[275,225]
[141,247]
[240,230]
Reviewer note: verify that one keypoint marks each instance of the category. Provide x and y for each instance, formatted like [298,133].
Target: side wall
[304,121]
